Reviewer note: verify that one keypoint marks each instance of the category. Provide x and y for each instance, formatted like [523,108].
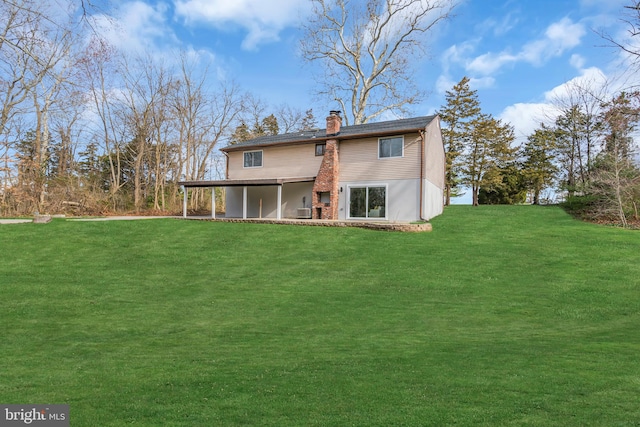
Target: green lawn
[509,316]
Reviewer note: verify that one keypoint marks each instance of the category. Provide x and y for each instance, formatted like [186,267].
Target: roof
[245,182]
[346,132]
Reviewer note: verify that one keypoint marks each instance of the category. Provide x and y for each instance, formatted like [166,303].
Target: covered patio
[245,185]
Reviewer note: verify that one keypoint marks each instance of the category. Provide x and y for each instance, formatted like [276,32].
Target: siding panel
[296,161]
[359,160]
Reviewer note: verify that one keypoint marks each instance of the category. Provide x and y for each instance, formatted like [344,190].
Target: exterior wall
[403,198]
[268,194]
[434,162]
[359,160]
[432,201]
[292,196]
[293,161]
[434,155]
[233,202]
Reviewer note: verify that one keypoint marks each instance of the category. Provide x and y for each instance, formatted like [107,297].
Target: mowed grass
[510,316]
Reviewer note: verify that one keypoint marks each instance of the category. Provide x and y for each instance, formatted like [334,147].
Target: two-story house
[392,170]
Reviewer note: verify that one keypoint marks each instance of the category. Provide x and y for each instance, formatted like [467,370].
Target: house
[385,171]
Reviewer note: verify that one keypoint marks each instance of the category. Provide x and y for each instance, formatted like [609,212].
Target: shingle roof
[346,132]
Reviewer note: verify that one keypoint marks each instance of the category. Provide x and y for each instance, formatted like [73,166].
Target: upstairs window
[320,149]
[391,147]
[252,159]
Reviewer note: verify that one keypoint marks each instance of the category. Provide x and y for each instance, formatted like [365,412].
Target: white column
[213,202]
[185,193]
[279,206]
[244,202]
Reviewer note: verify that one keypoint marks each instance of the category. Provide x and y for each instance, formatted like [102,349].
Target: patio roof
[244,182]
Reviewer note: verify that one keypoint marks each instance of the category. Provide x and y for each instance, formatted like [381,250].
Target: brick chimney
[333,123]
[325,196]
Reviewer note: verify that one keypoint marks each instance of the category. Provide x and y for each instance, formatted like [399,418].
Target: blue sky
[520,55]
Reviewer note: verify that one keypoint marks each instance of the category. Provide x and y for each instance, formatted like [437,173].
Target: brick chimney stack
[333,123]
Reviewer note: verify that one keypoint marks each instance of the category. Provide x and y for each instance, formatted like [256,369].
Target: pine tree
[270,126]
[538,161]
[488,154]
[308,121]
[462,107]
[240,134]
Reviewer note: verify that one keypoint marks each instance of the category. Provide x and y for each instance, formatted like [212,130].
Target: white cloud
[489,63]
[577,61]
[526,117]
[482,82]
[444,83]
[136,27]
[263,20]
[558,38]
[592,78]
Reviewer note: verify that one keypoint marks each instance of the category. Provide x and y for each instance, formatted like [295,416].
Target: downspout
[422,134]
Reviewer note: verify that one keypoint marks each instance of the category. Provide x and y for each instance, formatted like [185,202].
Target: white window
[391,147]
[252,159]
[368,202]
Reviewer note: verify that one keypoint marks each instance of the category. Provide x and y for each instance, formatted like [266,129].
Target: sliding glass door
[368,202]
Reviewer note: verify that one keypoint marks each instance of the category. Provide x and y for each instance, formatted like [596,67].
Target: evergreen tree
[488,154]
[538,161]
[572,132]
[461,108]
[308,121]
[240,134]
[269,125]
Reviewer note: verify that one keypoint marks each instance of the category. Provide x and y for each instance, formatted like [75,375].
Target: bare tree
[204,119]
[35,44]
[615,180]
[631,17]
[289,119]
[368,50]
[99,69]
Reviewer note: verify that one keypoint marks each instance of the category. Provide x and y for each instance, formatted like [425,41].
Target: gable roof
[346,132]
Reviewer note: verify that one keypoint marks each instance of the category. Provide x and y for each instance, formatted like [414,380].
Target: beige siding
[359,160]
[434,155]
[294,161]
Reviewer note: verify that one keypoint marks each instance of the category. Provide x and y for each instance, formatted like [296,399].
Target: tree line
[585,156]
[87,129]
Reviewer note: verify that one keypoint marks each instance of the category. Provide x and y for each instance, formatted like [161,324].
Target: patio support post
[279,205]
[184,201]
[213,202]
[244,202]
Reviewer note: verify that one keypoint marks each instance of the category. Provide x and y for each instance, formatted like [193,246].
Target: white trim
[253,151]
[391,137]
[367,186]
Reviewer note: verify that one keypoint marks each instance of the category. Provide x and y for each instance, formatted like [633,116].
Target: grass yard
[502,316]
